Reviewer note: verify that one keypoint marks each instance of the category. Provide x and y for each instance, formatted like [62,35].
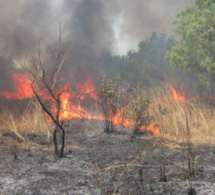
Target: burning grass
[161,110]
[167,116]
[171,114]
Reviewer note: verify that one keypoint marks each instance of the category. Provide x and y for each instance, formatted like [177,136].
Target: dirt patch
[99,163]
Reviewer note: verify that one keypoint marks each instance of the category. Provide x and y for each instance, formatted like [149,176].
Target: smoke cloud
[96,30]
[142,17]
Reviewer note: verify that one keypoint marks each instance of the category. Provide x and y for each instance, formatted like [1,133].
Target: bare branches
[44,86]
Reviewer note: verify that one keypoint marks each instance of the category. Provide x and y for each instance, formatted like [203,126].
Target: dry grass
[172,123]
[31,123]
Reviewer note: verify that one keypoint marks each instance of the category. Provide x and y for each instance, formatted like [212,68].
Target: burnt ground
[98,163]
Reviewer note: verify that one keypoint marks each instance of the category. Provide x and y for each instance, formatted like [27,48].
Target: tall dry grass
[28,125]
[31,123]
[173,121]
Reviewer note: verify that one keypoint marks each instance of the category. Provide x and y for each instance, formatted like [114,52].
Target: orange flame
[179,96]
[71,104]
[152,127]
[117,119]
[23,88]
[87,88]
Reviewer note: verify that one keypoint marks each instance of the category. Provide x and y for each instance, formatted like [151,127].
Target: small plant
[141,115]
[141,180]
[163,176]
[190,158]
[14,151]
[162,110]
[109,93]
[139,110]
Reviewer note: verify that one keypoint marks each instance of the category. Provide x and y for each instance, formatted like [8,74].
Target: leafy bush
[139,109]
[109,94]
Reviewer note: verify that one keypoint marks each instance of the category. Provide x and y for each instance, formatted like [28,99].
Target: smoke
[89,30]
[142,17]
[96,30]
[23,25]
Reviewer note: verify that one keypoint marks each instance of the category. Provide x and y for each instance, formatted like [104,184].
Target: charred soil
[99,163]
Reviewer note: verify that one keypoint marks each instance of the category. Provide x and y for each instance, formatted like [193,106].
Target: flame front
[87,88]
[71,107]
[179,96]
[23,88]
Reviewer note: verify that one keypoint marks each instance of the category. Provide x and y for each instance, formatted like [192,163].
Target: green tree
[134,70]
[147,64]
[194,48]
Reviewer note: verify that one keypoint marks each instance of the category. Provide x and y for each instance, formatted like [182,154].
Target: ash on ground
[98,163]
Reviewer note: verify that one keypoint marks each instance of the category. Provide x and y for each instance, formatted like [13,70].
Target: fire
[71,111]
[152,127]
[23,88]
[179,96]
[71,107]
[87,88]
[117,119]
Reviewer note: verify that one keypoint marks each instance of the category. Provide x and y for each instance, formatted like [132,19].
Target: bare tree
[48,83]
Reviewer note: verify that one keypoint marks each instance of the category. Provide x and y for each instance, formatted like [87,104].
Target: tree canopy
[148,63]
[194,48]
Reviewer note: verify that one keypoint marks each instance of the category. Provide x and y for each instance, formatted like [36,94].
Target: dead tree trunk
[47,83]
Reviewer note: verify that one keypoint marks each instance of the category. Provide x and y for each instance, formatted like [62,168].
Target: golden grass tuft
[172,123]
[29,124]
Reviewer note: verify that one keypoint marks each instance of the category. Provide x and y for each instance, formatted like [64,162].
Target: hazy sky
[136,21]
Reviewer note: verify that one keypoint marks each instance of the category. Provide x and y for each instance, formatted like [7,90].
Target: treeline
[148,64]
[192,52]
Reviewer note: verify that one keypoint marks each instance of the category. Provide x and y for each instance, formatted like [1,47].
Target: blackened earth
[98,163]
